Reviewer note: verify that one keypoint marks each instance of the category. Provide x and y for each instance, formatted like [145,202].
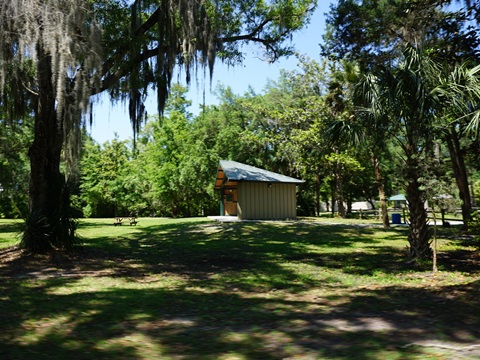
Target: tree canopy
[56,54]
[374,32]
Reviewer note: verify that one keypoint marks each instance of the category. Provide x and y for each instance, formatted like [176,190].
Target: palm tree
[459,94]
[402,95]
[416,96]
[360,128]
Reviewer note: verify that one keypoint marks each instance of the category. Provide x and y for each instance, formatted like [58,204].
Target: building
[255,194]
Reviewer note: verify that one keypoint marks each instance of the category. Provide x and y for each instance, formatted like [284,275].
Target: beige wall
[258,201]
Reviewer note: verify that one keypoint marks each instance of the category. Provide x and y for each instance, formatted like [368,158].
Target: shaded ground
[210,310]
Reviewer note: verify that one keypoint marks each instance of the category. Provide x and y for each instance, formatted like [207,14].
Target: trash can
[396,218]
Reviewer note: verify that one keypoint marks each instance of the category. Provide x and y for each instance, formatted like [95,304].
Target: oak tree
[58,53]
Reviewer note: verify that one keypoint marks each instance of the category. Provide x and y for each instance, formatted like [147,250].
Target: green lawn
[196,289]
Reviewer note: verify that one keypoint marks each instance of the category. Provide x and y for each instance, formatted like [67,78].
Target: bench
[117,221]
[133,221]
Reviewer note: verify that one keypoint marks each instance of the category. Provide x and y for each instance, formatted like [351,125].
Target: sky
[111,120]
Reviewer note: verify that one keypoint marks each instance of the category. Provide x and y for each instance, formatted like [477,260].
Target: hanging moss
[66,31]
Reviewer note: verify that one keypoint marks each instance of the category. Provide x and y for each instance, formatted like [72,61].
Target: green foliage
[57,232]
[145,41]
[62,53]
[374,32]
[102,178]
[169,173]
[36,235]
[166,152]
[474,225]
[15,137]
[438,187]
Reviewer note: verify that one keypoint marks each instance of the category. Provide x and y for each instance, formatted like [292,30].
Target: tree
[294,108]
[362,129]
[14,138]
[459,91]
[373,32]
[167,146]
[171,173]
[294,115]
[438,189]
[415,96]
[52,49]
[403,94]
[104,169]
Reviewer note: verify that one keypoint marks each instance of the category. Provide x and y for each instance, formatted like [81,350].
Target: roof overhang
[229,173]
[222,182]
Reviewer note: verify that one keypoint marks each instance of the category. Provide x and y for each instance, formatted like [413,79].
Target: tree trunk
[349,206]
[461,176]
[317,194]
[419,236]
[381,192]
[434,266]
[333,197]
[46,182]
[339,188]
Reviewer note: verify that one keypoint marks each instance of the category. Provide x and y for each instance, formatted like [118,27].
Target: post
[222,206]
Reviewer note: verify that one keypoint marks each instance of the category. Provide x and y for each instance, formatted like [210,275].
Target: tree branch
[247,36]
[123,50]
[109,80]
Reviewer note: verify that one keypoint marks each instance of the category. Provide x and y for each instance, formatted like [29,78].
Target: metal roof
[399,197]
[235,171]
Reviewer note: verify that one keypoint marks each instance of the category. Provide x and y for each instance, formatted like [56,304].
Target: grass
[10,232]
[195,289]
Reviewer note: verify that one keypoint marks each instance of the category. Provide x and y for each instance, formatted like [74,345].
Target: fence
[443,216]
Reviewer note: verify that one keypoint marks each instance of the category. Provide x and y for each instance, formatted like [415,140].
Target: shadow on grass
[212,291]
[11,227]
[10,232]
[182,322]
[203,250]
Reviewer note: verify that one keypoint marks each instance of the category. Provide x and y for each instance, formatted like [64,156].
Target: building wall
[263,201]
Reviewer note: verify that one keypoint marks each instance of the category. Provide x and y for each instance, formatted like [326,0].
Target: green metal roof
[399,197]
[235,171]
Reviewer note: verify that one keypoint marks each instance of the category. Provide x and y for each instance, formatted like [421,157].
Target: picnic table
[131,219]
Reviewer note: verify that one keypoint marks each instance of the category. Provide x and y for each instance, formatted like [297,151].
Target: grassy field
[197,289]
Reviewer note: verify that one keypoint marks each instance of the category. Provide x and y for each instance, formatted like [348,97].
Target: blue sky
[110,119]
